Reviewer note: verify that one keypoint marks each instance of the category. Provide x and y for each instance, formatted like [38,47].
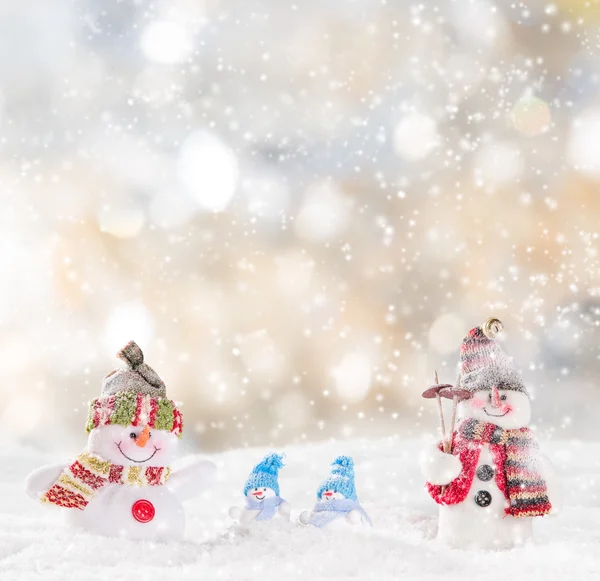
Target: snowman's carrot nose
[142,439]
[496,401]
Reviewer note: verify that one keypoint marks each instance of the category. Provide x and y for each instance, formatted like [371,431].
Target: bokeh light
[166,42]
[415,136]
[208,169]
[297,210]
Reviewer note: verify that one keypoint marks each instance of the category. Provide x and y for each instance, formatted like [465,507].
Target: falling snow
[298,210]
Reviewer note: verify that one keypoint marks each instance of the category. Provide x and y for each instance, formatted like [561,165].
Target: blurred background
[297,209]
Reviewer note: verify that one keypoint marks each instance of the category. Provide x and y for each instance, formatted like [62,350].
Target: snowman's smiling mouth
[259,497]
[138,461]
[495,415]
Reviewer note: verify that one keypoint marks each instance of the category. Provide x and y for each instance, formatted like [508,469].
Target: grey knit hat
[138,377]
[483,364]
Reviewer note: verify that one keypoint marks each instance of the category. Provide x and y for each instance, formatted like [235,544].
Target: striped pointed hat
[483,364]
[265,474]
[341,478]
[134,396]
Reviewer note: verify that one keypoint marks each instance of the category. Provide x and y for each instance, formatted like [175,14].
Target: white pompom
[305,516]
[285,509]
[234,513]
[354,517]
[437,467]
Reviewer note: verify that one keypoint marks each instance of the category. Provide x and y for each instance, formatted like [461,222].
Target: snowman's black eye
[133,435]
[502,397]
[256,489]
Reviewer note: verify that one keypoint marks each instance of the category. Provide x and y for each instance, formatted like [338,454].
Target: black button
[485,472]
[483,498]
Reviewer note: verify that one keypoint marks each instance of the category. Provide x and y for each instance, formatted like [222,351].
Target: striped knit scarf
[267,508]
[326,511]
[515,457]
[80,481]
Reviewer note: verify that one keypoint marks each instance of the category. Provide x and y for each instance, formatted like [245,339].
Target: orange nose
[496,401]
[142,439]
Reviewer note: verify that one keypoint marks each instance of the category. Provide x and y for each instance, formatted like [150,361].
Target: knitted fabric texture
[81,481]
[267,507]
[265,474]
[517,473]
[138,377]
[135,409]
[484,365]
[341,479]
[327,511]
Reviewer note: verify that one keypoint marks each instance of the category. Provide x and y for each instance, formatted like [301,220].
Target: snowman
[337,505]
[122,485]
[494,481]
[261,490]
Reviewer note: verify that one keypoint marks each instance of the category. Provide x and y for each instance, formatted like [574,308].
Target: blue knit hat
[341,479]
[265,474]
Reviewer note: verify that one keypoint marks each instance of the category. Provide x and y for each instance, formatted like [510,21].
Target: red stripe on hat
[138,409]
[96,413]
[106,410]
[153,412]
[473,364]
[177,421]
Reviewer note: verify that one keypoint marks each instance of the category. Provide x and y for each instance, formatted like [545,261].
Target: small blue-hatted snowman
[337,504]
[261,490]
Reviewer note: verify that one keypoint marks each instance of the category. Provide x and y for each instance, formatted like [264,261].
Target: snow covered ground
[34,543]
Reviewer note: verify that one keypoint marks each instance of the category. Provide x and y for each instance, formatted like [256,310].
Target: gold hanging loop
[492,327]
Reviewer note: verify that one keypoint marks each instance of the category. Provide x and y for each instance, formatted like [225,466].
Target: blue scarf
[328,510]
[267,507]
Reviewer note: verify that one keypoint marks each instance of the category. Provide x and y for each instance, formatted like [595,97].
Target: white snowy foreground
[35,543]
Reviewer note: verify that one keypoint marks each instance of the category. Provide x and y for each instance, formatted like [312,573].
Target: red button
[143,511]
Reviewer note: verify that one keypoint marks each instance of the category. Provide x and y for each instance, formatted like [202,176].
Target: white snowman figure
[337,504]
[263,502]
[494,481]
[122,485]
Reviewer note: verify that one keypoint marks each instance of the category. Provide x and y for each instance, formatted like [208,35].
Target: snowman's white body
[110,513]
[112,510]
[247,515]
[341,521]
[467,524]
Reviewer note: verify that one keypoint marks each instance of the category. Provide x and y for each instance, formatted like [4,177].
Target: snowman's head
[506,408]
[133,445]
[330,494]
[261,493]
